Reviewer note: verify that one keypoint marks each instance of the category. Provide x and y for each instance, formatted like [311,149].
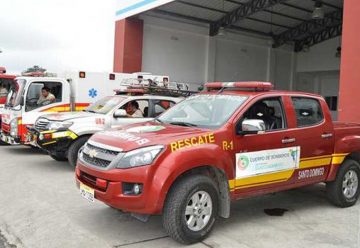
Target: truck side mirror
[252,126]
[120,113]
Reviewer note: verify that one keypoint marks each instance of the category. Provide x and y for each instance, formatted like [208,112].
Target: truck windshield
[104,105]
[15,94]
[205,111]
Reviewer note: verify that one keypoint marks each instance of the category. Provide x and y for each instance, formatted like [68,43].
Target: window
[270,111]
[161,106]
[37,97]
[137,108]
[105,105]
[308,111]
[204,111]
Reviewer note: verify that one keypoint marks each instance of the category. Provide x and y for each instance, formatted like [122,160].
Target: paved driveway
[40,207]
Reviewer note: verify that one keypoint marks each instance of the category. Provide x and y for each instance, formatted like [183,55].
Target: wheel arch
[218,176]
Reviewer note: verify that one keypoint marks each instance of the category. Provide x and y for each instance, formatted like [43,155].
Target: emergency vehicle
[234,140]
[6,84]
[74,92]
[62,134]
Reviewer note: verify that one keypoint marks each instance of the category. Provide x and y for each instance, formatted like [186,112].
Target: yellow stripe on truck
[283,176]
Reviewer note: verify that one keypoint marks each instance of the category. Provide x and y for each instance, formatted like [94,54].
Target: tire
[175,220]
[74,149]
[58,156]
[344,191]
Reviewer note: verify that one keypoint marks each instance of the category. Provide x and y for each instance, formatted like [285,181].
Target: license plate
[87,192]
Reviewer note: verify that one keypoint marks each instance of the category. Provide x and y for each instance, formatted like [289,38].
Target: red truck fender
[208,159]
[346,147]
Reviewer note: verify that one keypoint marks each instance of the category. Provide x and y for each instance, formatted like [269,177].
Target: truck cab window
[137,108]
[308,111]
[270,111]
[161,106]
[41,94]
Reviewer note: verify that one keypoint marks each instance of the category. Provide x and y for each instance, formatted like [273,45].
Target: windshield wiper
[90,111]
[158,120]
[185,124]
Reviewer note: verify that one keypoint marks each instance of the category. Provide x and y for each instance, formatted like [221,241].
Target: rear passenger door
[313,132]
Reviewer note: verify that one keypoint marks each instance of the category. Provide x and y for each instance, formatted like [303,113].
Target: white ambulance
[74,92]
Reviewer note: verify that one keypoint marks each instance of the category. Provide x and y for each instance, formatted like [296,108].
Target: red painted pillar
[349,101]
[128,45]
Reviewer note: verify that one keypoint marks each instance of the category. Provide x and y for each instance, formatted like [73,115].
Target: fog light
[132,188]
[13,134]
[41,137]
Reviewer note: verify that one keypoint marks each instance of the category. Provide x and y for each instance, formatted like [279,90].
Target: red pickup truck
[232,141]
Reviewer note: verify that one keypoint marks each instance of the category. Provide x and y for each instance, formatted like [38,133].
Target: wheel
[58,156]
[191,209]
[74,149]
[344,191]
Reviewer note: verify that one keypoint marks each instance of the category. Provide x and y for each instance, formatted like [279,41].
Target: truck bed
[347,136]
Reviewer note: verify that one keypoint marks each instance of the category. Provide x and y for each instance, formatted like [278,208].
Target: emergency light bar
[257,86]
[154,90]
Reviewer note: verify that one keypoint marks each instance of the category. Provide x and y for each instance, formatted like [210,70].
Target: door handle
[326,135]
[288,140]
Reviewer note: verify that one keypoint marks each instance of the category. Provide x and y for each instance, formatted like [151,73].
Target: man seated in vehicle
[132,110]
[263,112]
[3,90]
[46,97]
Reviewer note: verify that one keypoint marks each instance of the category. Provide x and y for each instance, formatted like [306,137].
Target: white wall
[186,53]
[320,57]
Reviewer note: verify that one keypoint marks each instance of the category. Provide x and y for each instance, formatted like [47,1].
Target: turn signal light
[82,74]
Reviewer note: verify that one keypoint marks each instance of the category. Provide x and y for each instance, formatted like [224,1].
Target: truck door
[142,105]
[58,94]
[264,160]
[313,132]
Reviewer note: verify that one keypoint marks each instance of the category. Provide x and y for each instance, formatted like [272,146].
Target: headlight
[14,127]
[58,125]
[139,157]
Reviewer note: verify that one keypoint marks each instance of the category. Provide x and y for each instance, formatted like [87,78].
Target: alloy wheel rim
[198,211]
[350,184]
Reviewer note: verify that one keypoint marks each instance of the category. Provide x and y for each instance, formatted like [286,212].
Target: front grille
[99,149]
[95,161]
[41,124]
[95,155]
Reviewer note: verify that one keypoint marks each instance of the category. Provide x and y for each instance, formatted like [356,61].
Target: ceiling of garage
[285,21]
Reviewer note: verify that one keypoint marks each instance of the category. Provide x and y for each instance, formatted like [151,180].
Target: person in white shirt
[46,97]
[132,110]
[3,91]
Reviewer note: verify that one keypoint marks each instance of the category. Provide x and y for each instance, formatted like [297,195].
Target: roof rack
[255,86]
[154,90]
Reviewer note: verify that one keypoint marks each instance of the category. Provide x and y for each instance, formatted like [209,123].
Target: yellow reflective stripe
[49,143]
[338,159]
[315,163]
[64,134]
[58,109]
[80,108]
[261,179]
[286,175]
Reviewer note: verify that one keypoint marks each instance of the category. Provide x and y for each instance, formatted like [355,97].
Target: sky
[59,35]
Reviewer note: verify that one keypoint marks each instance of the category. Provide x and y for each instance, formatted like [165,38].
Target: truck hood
[66,116]
[152,133]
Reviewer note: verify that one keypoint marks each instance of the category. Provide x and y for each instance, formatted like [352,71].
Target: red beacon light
[256,86]
[131,92]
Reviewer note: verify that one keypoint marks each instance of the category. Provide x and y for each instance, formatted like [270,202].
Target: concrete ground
[40,207]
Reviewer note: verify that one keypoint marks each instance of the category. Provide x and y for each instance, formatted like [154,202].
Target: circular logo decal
[243,162]
[145,129]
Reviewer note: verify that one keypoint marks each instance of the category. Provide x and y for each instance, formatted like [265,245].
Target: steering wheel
[32,101]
